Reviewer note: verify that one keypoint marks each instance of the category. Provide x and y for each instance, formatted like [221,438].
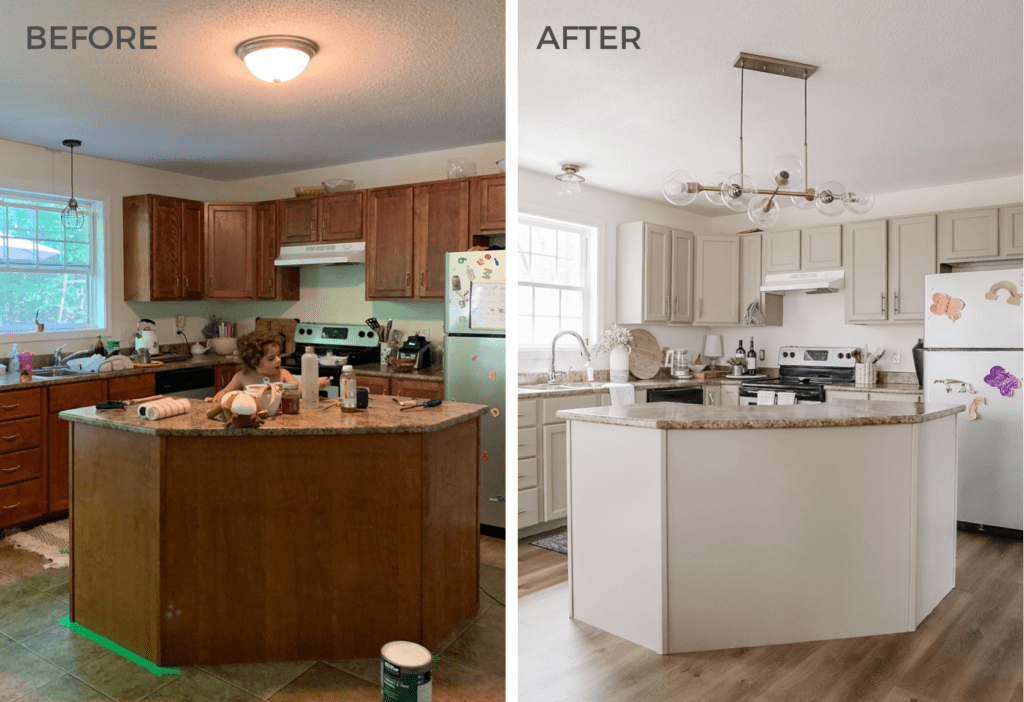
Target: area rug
[559,543]
[50,540]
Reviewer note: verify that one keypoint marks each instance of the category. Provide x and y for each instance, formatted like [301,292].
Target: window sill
[9,337]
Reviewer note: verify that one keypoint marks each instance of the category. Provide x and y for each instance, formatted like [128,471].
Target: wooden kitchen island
[318,536]
[698,528]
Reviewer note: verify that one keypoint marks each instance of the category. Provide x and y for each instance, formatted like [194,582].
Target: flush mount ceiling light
[71,218]
[570,181]
[738,191]
[277,58]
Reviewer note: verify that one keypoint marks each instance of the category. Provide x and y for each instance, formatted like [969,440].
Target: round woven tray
[645,360]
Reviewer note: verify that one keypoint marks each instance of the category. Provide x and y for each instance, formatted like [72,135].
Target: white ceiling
[393,77]
[908,94]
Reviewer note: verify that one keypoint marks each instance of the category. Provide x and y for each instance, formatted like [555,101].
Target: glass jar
[291,398]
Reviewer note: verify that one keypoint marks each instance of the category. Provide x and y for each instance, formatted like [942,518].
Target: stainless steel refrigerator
[474,362]
[973,335]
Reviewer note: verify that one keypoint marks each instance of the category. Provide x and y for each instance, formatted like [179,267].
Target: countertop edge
[894,388]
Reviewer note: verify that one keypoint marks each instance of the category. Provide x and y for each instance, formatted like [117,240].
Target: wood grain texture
[72,395]
[230,251]
[266,250]
[389,243]
[419,389]
[376,386]
[21,465]
[21,501]
[165,248]
[130,387]
[192,250]
[492,203]
[341,216]
[646,358]
[440,224]
[20,403]
[135,215]
[19,434]
[298,220]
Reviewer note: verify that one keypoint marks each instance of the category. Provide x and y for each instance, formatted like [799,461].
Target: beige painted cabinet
[911,258]
[781,251]
[716,279]
[821,248]
[730,395]
[681,276]
[1011,231]
[865,250]
[874,396]
[968,235]
[644,273]
[713,395]
[751,279]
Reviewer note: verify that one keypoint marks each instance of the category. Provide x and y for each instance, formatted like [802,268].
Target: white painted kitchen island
[698,528]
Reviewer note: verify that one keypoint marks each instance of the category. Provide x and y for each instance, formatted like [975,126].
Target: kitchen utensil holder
[866,374]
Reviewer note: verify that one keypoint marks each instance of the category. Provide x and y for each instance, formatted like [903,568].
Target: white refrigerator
[973,338]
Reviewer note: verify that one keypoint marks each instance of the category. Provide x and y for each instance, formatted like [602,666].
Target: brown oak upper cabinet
[272,282]
[389,243]
[298,218]
[230,229]
[163,248]
[488,211]
[338,217]
[441,224]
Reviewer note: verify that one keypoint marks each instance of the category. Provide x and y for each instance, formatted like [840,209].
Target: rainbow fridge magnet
[1014,297]
[956,386]
[946,305]
[1003,381]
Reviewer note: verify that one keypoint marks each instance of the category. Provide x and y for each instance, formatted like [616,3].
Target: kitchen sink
[560,386]
[55,373]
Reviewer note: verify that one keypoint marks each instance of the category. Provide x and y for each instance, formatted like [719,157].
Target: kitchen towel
[766,397]
[622,394]
[787,398]
[161,409]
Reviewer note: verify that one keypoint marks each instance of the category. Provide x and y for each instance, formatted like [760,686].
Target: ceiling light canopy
[570,180]
[738,191]
[277,58]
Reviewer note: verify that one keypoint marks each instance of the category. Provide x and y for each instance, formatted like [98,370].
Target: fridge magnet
[1013,299]
[456,283]
[474,357]
[972,411]
[487,256]
[462,260]
[495,412]
[497,262]
[493,375]
[479,262]
[469,273]
[956,386]
[1002,381]
[949,306]
[485,457]
[487,273]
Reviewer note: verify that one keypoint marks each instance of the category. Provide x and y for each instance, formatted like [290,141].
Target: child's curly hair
[253,347]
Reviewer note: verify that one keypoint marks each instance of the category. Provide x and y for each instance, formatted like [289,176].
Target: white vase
[618,364]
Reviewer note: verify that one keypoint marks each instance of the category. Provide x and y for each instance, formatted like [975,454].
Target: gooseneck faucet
[553,376]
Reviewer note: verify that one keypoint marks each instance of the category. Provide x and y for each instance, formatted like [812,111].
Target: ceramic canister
[405,672]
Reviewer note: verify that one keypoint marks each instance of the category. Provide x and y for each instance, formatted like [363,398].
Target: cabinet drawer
[373,383]
[130,387]
[19,434]
[554,404]
[527,473]
[21,403]
[21,501]
[528,442]
[844,395]
[22,465]
[893,397]
[527,413]
[528,511]
[74,395]
[420,389]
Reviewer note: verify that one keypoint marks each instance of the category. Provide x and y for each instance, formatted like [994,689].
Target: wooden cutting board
[280,325]
[645,360]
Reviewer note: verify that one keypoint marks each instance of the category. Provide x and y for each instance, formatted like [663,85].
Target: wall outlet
[895,358]
[179,321]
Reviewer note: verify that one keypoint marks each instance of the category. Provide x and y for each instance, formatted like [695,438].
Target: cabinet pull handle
[11,470]
[12,506]
[421,280]
[883,303]
[407,276]
[323,224]
[521,475]
[175,281]
[675,305]
[523,512]
[11,438]
[8,408]
[186,281]
[896,307]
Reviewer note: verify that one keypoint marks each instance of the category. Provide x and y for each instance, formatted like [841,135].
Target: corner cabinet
[163,248]
[487,212]
[751,279]
[716,279]
[272,282]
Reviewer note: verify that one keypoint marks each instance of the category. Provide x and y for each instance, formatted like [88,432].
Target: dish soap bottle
[15,365]
[348,389]
[310,379]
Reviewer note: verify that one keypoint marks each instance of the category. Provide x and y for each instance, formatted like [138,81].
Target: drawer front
[20,465]
[130,387]
[19,435]
[527,473]
[527,413]
[75,395]
[21,403]
[419,389]
[528,512]
[21,501]
[376,385]
[554,404]
[893,397]
[528,442]
[844,395]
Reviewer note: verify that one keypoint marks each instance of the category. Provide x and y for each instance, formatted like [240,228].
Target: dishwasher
[693,395]
[193,383]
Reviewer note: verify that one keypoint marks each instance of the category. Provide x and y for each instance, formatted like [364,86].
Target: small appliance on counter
[146,338]
[678,362]
[416,348]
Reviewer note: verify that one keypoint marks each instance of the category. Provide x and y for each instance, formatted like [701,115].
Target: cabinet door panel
[192,250]
[969,235]
[389,243]
[419,389]
[441,224]
[21,501]
[130,387]
[682,277]
[911,258]
[57,461]
[555,472]
[222,375]
[781,251]
[165,249]
[1011,231]
[266,250]
[865,252]
[341,217]
[230,252]
[821,248]
[657,273]
[376,385]
[298,220]
[716,280]
[492,203]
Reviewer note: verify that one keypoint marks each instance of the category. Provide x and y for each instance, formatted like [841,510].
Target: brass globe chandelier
[738,191]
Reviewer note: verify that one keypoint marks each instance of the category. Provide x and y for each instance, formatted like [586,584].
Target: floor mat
[559,543]
[50,540]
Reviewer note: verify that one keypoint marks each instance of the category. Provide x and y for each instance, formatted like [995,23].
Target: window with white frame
[44,268]
[553,291]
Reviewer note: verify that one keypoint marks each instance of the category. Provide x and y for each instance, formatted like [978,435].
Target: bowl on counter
[402,365]
[695,367]
[225,347]
[337,185]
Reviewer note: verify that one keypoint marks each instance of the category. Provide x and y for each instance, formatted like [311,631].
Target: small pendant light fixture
[738,191]
[72,218]
[277,58]
[570,181]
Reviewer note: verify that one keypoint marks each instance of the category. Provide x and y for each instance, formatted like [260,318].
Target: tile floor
[41,661]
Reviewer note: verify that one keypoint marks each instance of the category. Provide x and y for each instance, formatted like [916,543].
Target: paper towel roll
[161,409]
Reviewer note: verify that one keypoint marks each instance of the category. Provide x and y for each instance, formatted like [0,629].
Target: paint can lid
[407,655]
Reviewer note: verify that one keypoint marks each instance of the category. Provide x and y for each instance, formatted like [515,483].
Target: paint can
[405,672]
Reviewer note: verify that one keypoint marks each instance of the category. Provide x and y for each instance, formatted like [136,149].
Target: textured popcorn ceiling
[909,94]
[393,77]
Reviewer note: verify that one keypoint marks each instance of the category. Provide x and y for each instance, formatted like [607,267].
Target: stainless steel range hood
[322,254]
[811,282]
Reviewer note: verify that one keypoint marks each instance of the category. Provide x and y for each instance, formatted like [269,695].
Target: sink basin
[54,373]
[560,386]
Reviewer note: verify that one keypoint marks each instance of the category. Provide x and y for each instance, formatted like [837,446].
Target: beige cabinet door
[528,508]
[681,310]
[911,258]
[657,272]
[1011,231]
[555,473]
[730,395]
[821,248]
[865,252]
[713,395]
[968,235]
[716,279]
[781,251]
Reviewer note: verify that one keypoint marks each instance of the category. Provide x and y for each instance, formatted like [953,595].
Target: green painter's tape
[119,650]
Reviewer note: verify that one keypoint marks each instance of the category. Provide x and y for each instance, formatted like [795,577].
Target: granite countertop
[895,388]
[11,381]
[383,416]
[839,413]
[600,387]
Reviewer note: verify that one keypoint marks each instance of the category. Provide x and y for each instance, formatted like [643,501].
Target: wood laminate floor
[968,649]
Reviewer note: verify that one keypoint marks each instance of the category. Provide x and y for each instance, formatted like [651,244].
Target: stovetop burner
[806,370]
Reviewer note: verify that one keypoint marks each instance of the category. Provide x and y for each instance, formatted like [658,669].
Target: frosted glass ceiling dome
[277,58]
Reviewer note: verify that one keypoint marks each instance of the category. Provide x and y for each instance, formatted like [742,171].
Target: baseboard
[1002,532]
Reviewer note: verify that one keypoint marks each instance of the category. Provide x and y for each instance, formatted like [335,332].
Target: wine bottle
[751,359]
[739,350]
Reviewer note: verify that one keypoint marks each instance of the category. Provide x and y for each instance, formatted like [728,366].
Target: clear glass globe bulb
[715,180]
[859,199]
[829,200]
[787,171]
[759,215]
[676,188]
[737,191]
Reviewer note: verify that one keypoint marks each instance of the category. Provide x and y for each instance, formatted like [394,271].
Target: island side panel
[784,535]
[291,548]
[617,517]
[115,527]
[935,571]
[451,524]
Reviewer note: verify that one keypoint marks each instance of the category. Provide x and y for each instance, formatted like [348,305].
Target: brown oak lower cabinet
[400,387]
[58,398]
[222,375]
[22,484]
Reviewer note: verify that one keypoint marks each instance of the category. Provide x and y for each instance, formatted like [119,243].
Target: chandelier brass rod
[809,194]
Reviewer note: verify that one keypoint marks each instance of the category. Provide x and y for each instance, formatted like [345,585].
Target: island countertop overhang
[840,413]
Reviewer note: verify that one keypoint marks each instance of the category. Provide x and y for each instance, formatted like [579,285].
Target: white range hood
[322,254]
[803,281]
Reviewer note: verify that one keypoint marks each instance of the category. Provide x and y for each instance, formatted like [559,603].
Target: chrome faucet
[58,359]
[61,361]
[553,376]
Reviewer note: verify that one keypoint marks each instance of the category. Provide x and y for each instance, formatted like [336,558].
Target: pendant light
[738,191]
[277,58]
[570,180]
[72,218]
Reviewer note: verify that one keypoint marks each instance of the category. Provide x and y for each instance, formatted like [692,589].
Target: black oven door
[691,395]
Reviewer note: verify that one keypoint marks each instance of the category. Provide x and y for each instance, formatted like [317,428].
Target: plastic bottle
[98,348]
[310,379]
[348,389]
[15,365]
[590,371]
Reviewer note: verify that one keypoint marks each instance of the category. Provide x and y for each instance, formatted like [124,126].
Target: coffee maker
[418,348]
